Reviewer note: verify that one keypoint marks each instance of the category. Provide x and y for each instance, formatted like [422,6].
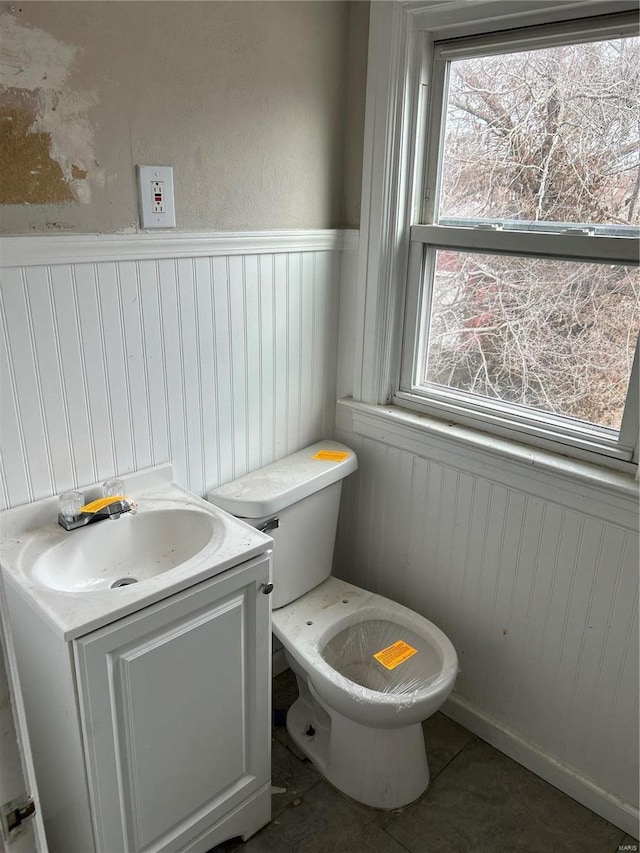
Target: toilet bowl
[359,722]
[369,670]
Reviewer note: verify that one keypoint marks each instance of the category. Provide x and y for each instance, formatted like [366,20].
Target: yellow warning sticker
[331,455]
[101,503]
[394,655]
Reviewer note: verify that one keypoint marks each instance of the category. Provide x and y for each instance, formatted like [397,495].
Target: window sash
[563,245]
[506,424]
[553,431]
[601,28]
[489,44]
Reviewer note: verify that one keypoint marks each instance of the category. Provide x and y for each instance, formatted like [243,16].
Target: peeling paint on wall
[46,138]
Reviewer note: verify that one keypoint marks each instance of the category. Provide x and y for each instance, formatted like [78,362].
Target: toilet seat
[306,627]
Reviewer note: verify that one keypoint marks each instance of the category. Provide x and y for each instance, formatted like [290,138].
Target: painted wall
[259,107]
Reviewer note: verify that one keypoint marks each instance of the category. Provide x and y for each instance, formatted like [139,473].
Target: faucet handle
[70,504]
[113,488]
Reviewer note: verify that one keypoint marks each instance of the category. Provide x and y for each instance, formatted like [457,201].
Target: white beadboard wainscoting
[532,574]
[216,352]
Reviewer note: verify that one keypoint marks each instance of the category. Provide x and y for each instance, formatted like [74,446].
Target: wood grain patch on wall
[46,139]
[29,174]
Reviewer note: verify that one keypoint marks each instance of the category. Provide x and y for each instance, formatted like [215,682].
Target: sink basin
[84,579]
[115,553]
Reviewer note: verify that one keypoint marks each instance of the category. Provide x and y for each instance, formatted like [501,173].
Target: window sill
[582,486]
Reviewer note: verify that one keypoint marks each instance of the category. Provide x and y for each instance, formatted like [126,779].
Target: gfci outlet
[155,188]
[157,202]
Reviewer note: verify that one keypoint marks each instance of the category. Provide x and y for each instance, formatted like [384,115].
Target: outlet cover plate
[148,177]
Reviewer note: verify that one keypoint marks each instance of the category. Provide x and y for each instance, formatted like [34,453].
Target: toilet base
[383,768]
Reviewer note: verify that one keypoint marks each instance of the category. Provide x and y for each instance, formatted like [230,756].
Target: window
[523,299]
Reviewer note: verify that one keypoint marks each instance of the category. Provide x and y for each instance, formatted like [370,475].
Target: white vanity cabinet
[165,743]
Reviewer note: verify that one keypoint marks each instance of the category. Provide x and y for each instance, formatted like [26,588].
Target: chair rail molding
[36,249]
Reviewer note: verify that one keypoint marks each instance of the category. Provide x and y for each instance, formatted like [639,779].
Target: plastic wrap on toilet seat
[386,657]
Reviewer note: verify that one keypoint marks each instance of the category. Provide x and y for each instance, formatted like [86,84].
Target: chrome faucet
[73,513]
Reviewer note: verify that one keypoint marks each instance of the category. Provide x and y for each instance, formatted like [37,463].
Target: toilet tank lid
[270,489]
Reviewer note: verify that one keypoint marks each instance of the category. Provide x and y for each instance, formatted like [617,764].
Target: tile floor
[478,801]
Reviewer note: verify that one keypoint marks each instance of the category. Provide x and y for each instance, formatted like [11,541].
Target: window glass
[550,134]
[553,335]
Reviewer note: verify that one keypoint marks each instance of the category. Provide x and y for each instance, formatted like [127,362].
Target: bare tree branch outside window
[549,135]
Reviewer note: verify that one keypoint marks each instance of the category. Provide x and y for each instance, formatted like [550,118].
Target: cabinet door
[175,706]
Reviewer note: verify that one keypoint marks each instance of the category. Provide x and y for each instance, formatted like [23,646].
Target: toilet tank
[296,501]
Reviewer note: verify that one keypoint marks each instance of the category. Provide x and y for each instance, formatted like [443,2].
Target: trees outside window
[547,135]
[551,335]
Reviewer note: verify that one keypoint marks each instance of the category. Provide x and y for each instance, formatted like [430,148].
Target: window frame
[559,434]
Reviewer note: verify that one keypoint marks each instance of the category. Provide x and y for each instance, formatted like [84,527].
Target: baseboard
[561,776]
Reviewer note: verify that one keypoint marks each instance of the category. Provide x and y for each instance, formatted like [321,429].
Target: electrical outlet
[155,188]
[157,193]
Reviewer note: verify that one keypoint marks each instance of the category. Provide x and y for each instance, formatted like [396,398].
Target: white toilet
[369,671]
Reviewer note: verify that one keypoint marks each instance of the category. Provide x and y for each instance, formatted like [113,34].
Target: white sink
[114,553]
[83,579]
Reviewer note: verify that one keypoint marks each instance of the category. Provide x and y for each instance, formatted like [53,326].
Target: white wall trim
[36,250]
[561,776]
[383,228]
[350,240]
[599,492]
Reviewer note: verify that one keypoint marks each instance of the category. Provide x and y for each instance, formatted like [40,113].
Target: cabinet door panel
[175,701]
[181,700]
